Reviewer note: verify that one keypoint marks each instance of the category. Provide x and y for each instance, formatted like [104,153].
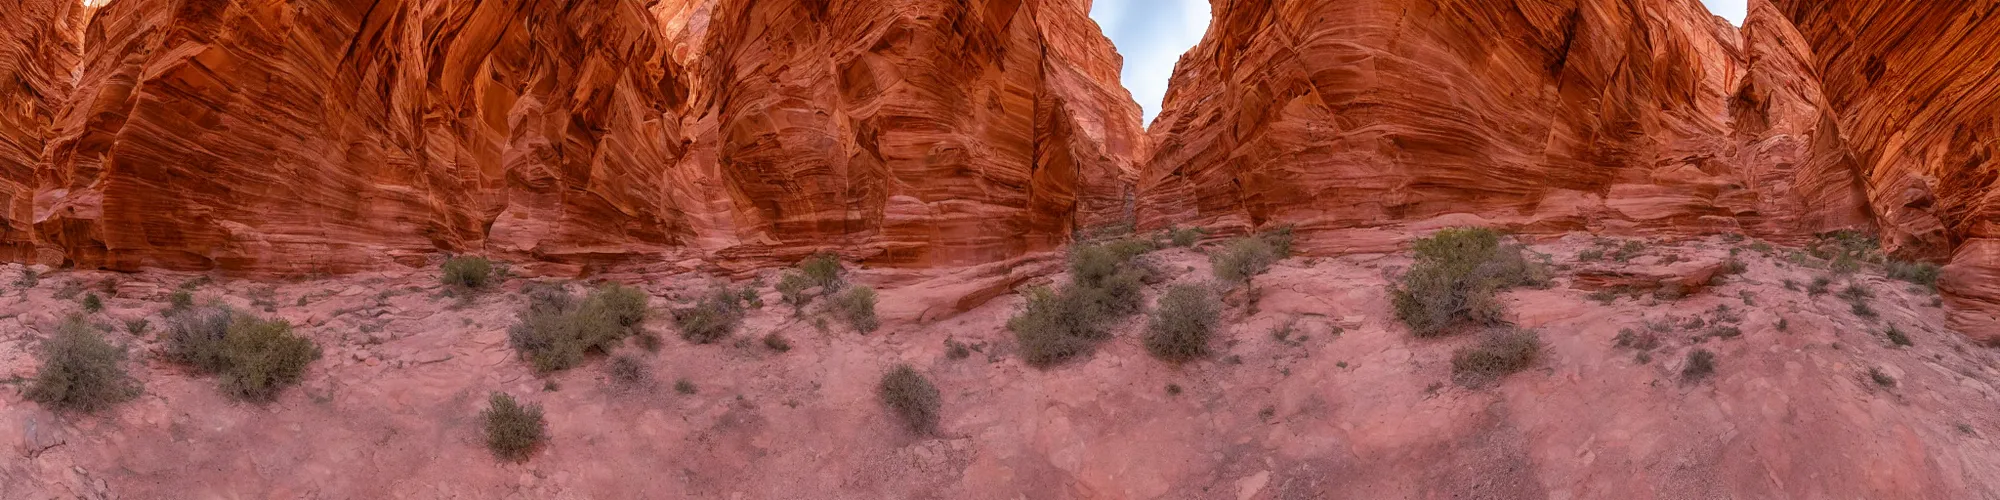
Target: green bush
[1922,273]
[468,272]
[513,430]
[1108,269]
[777,343]
[29,278]
[628,371]
[1897,337]
[1058,325]
[180,300]
[1185,237]
[1881,378]
[1182,324]
[1105,284]
[712,318]
[857,307]
[254,358]
[911,397]
[792,288]
[1700,363]
[80,370]
[1819,286]
[823,270]
[557,330]
[92,303]
[1242,259]
[263,357]
[1455,278]
[684,387]
[1499,353]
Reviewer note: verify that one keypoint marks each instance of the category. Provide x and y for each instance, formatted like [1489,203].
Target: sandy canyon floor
[1348,404]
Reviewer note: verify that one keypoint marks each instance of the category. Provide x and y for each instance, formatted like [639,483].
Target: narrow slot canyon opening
[1151,35]
[1733,10]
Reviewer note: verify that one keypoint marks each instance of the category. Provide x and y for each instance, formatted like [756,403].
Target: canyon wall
[1362,120]
[306,136]
[39,43]
[1916,88]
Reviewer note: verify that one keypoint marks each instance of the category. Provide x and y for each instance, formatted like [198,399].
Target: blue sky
[1152,35]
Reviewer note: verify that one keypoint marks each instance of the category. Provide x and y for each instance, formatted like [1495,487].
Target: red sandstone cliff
[1350,117]
[1916,88]
[327,136]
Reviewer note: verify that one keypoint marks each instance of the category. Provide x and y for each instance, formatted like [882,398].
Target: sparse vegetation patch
[513,430]
[911,397]
[1182,324]
[1456,278]
[81,371]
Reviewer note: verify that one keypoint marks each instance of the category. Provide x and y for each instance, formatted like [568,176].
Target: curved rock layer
[1361,120]
[328,136]
[1916,88]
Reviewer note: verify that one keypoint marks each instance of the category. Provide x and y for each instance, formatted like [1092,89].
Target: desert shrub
[1700,363]
[29,278]
[557,330]
[1057,325]
[468,272]
[777,343]
[137,326]
[92,303]
[1499,353]
[1182,324]
[1063,323]
[1881,378]
[1644,340]
[1733,266]
[1819,286]
[911,397]
[712,318]
[1455,278]
[956,350]
[684,387]
[1243,258]
[1108,269]
[80,370]
[1185,237]
[1897,337]
[513,430]
[822,270]
[195,338]
[628,371]
[1630,250]
[254,358]
[1593,254]
[180,300]
[261,357]
[857,307]
[792,288]
[1922,273]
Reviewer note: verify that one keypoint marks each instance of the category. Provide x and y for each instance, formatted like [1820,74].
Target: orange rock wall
[39,43]
[330,136]
[1915,85]
[1362,120]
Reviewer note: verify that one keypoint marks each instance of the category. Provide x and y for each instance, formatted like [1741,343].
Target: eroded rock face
[1922,114]
[331,136]
[1362,121]
[38,45]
